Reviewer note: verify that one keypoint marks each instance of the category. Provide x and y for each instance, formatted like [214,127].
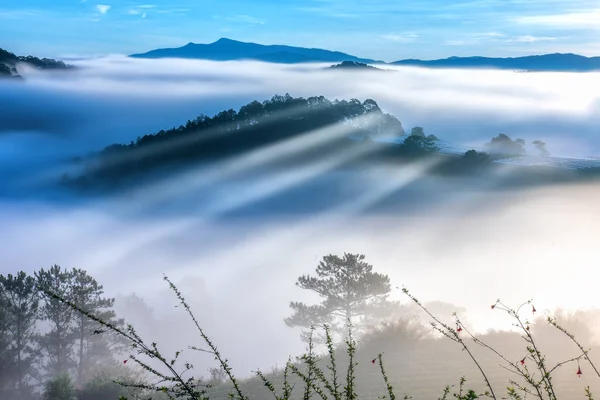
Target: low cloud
[532,39]
[401,37]
[248,19]
[103,8]
[574,20]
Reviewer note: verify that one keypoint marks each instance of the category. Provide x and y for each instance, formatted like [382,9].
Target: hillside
[228,50]
[310,130]
[546,62]
[10,61]
[231,133]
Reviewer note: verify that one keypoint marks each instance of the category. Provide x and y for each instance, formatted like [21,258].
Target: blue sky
[382,29]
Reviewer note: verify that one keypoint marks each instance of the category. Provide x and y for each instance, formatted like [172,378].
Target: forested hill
[228,133]
[9,61]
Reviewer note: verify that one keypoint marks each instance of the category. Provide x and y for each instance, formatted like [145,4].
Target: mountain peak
[226,40]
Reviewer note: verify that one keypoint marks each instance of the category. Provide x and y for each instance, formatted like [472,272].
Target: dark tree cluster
[228,133]
[503,144]
[353,65]
[44,343]
[8,61]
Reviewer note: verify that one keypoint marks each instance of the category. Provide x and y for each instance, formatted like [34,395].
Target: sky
[386,30]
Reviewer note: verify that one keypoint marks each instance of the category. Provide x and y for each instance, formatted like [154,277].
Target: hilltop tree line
[42,340]
[229,133]
[257,125]
[8,62]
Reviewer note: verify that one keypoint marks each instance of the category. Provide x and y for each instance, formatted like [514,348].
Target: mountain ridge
[226,49]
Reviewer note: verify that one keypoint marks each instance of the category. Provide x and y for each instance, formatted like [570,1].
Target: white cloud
[248,19]
[532,39]
[147,6]
[401,37]
[456,42]
[102,8]
[589,19]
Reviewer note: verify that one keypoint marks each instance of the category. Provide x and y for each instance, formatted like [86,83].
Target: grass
[319,375]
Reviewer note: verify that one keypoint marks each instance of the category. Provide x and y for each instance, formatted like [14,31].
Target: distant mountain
[9,62]
[352,65]
[230,50]
[546,62]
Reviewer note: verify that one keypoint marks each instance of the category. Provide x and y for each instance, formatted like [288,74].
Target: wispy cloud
[18,14]
[174,11]
[531,39]
[146,6]
[456,42]
[248,19]
[588,19]
[400,37]
[102,8]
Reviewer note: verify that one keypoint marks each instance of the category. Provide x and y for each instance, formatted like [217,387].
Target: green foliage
[348,287]
[503,144]
[417,131]
[60,387]
[101,387]
[416,145]
[353,65]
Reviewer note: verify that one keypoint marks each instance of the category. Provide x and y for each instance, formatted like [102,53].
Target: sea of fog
[237,242]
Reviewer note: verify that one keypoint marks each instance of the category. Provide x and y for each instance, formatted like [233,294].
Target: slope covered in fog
[10,61]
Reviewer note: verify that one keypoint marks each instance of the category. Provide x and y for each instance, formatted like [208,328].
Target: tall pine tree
[21,302]
[349,288]
[6,356]
[95,347]
[57,345]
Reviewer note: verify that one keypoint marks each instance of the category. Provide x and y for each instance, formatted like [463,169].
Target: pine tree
[6,356]
[95,347]
[348,287]
[21,302]
[57,344]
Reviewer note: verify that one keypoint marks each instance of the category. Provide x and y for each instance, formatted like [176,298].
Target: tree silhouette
[541,147]
[503,144]
[417,131]
[93,348]
[57,344]
[348,287]
[20,303]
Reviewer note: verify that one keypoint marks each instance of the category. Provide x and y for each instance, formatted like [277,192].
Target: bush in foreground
[320,375]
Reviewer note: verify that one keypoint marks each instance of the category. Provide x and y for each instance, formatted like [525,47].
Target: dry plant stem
[389,387]
[553,322]
[453,335]
[137,343]
[223,362]
[536,354]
